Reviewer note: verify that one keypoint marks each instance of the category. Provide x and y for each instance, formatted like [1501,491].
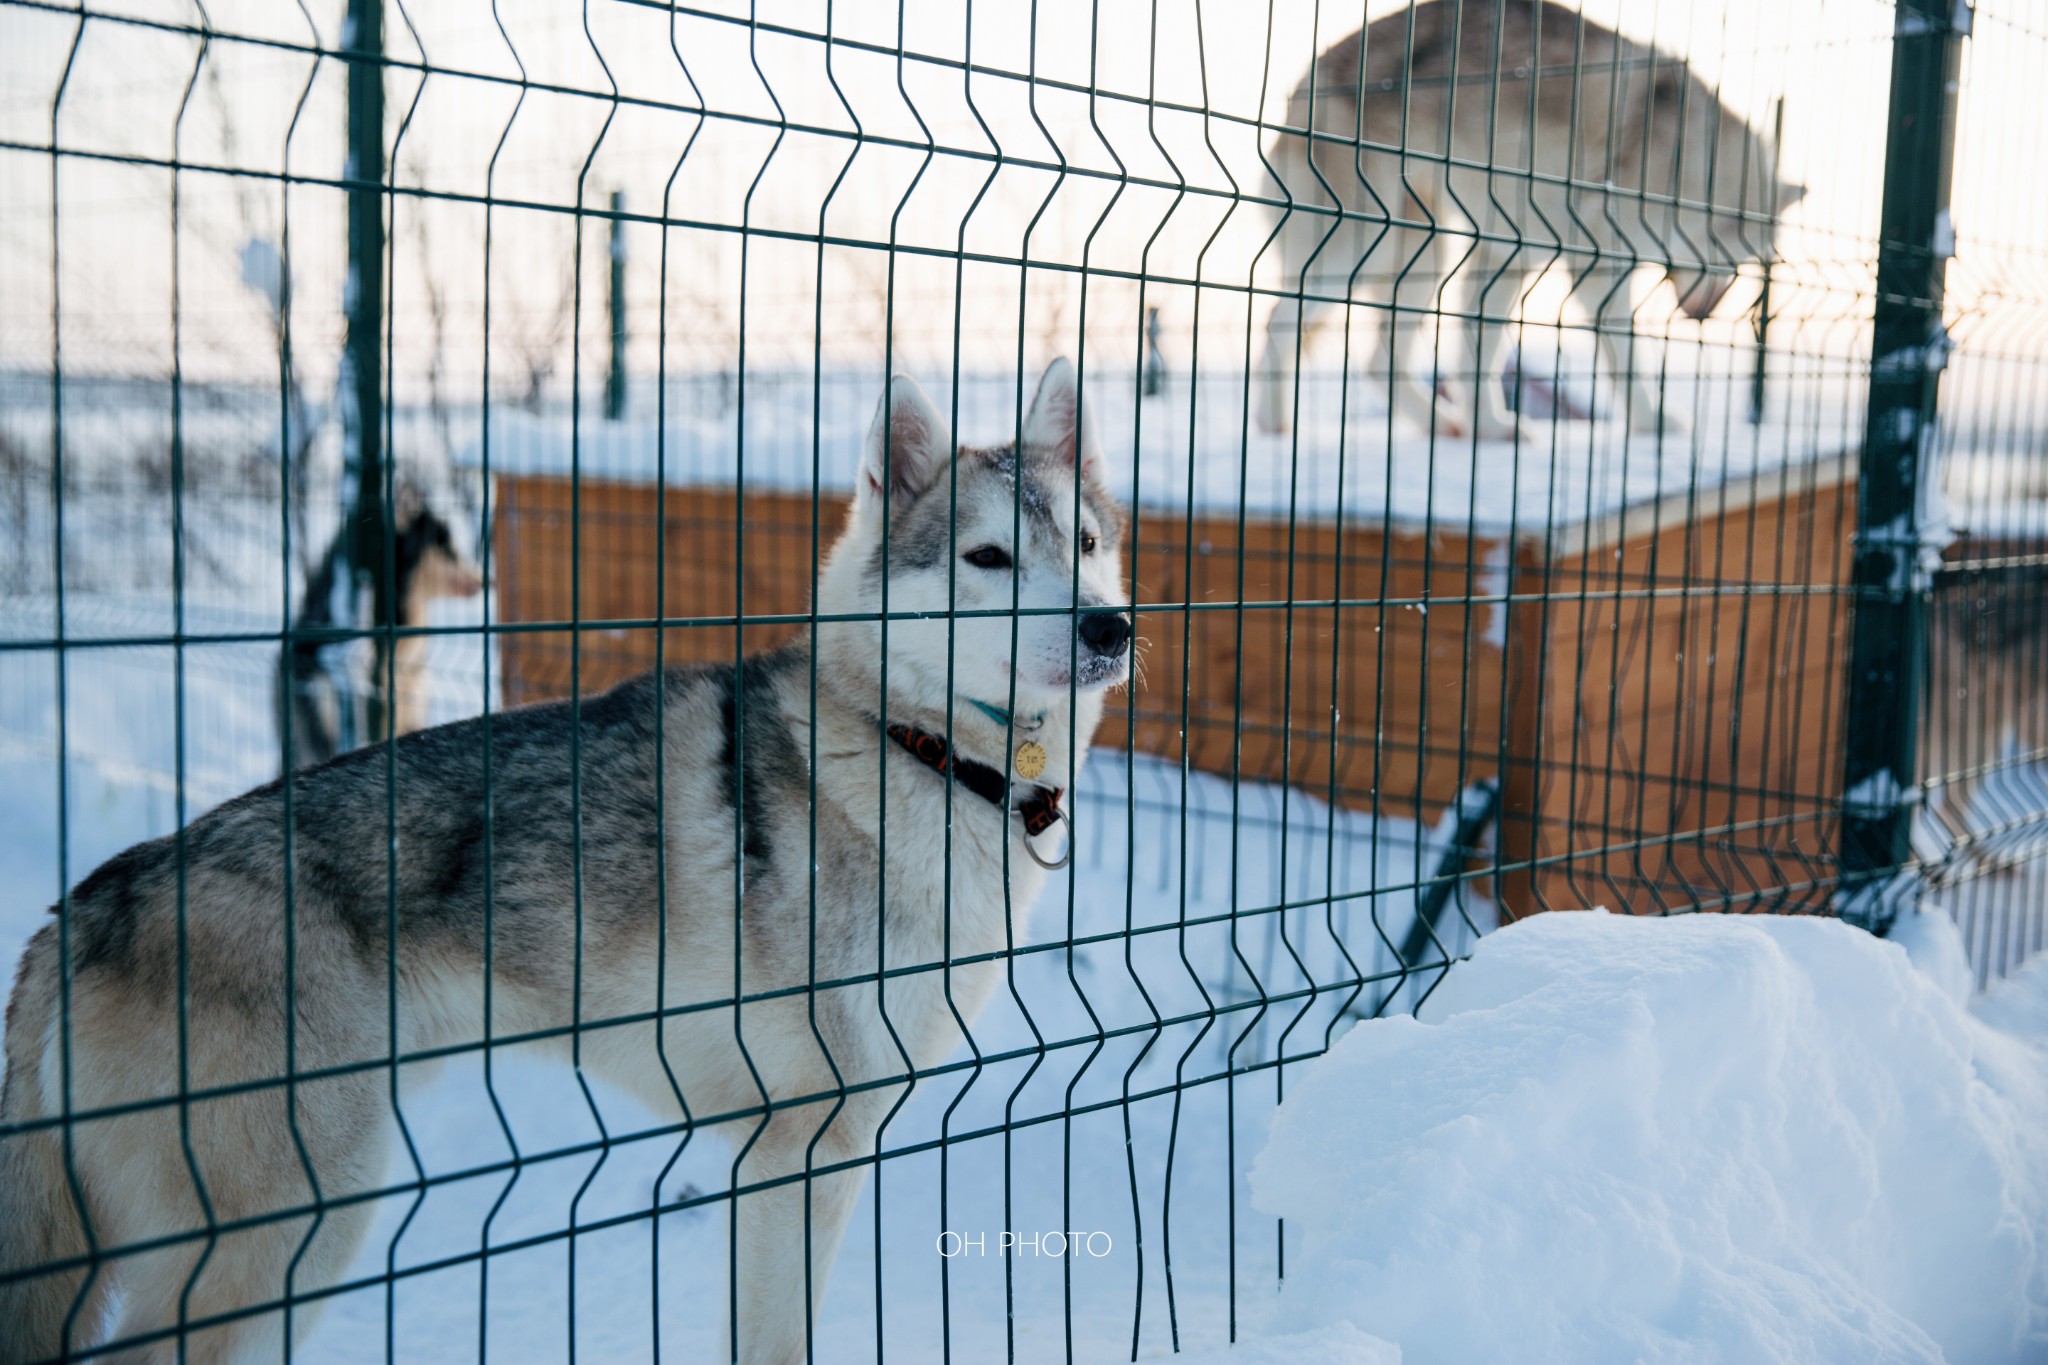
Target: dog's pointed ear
[907,446]
[1057,427]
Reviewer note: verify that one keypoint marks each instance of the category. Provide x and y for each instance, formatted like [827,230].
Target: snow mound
[1339,1343]
[1703,1139]
[1934,945]
[2019,1004]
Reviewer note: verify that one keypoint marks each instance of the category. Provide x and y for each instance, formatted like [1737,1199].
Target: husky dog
[428,567]
[1531,134]
[798,830]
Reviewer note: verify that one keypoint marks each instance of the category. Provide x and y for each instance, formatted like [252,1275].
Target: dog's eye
[1087,544]
[988,557]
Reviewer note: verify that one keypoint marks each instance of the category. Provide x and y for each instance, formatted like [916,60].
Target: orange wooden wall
[1677,712]
[622,530]
[1380,683]
[1666,703]
[1246,710]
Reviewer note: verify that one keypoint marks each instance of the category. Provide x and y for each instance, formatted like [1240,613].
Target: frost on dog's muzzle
[1097,670]
[1106,648]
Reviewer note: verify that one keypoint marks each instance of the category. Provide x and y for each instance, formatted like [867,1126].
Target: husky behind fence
[1391,136]
[769,776]
[698,683]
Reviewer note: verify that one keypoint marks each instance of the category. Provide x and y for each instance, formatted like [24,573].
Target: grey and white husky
[1475,142]
[152,1155]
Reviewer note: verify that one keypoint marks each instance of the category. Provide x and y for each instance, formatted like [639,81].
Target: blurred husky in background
[316,678]
[1527,129]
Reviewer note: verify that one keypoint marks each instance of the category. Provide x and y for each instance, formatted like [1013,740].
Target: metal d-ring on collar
[1066,856]
[1009,720]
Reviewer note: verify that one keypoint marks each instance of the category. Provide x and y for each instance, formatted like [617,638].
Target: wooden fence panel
[1355,663]
[1676,739]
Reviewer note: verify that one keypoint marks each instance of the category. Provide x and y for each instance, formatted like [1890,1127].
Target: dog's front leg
[773,1224]
[1633,368]
[1275,386]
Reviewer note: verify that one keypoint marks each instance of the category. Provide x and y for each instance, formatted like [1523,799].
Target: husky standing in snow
[822,807]
[1535,126]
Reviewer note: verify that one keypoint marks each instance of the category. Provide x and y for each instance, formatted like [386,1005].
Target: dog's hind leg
[229,1274]
[1630,360]
[43,1312]
[1490,288]
[1290,330]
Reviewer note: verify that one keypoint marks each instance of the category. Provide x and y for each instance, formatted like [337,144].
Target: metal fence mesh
[1535,493]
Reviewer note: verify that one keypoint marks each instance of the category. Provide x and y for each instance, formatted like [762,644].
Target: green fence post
[363,536]
[1909,347]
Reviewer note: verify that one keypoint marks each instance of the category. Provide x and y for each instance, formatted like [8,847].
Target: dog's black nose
[1108,636]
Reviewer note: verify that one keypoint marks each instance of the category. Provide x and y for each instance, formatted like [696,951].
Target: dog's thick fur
[701,780]
[1640,163]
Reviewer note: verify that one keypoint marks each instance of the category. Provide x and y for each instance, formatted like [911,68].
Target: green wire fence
[1552,459]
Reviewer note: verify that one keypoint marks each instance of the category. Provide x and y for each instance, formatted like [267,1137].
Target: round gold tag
[1030,759]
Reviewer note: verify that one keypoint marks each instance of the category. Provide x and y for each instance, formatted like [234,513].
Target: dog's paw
[1274,419]
[1653,424]
[1505,427]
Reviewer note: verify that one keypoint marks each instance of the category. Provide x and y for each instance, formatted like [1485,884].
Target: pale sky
[1829,58]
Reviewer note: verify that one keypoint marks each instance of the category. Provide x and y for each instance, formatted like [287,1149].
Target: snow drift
[1706,1139]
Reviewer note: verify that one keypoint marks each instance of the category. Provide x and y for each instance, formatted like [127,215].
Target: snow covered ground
[1705,1139]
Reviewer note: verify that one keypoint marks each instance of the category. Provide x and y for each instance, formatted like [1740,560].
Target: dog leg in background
[1411,357]
[1387,353]
[432,569]
[1299,241]
[1492,289]
[1494,420]
[1290,330]
[1630,368]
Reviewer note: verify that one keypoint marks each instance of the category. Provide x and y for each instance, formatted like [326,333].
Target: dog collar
[1006,719]
[1041,810]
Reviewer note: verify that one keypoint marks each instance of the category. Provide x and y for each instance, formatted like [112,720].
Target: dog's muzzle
[1106,635]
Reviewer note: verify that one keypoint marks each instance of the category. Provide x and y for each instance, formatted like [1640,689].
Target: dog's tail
[39,1222]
